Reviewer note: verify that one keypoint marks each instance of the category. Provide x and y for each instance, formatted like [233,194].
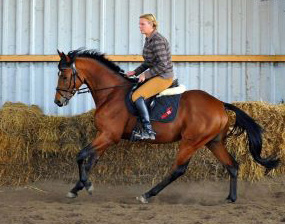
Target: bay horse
[201,121]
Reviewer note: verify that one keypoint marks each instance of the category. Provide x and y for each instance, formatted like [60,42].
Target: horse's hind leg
[182,160]
[218,148]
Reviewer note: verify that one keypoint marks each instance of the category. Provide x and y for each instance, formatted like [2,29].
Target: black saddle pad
[165,108]
[162,109]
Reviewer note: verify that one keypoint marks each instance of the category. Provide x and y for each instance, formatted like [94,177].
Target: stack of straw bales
[35,146]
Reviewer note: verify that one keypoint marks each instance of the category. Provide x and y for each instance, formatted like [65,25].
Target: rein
[82,90]
[85,89]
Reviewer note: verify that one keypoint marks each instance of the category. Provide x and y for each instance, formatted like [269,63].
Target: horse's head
[69,80]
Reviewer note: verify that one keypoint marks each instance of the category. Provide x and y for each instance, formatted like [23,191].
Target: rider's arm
[144,66]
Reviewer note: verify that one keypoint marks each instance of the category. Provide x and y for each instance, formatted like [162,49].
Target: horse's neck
[97,77]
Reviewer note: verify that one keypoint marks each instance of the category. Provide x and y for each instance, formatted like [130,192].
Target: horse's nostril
[57,102]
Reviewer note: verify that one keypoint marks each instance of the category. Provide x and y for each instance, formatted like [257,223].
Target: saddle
[162,107]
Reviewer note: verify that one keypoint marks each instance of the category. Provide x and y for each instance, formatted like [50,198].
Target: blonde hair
[151,18]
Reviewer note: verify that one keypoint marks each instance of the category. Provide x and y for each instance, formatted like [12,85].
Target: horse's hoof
[142,199]
[90,189]
[71,195]
[230,199]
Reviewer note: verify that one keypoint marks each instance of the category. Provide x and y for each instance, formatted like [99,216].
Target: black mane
[95,55]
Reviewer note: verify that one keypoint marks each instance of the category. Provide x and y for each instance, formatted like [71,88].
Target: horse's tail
[254,131]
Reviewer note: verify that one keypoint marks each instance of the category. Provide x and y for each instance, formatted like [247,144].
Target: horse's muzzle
[58,103]
[61,102]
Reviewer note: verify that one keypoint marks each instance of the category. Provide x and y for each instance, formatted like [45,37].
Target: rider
[157,68]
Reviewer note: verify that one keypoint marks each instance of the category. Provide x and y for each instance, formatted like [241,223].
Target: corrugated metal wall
[111,26]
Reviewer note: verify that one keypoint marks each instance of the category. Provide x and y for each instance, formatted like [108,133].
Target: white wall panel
[111,26]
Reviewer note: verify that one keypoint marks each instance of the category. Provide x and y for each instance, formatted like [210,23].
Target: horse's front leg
[86,158]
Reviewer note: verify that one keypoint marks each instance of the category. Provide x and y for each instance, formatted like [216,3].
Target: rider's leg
[147,90]
[152,87]
[144,116]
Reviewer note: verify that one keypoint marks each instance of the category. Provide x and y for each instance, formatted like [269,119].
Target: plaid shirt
[157,57]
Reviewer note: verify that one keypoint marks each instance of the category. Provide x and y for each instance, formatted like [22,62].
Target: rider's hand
[142,77]
[131,73]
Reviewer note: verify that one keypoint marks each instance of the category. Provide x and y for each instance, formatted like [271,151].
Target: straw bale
[69,130]
[13,148]
[19,119]
[49,129]
[15,160]
[58,134]
[19,125]
[48,147]
[70,149]
[86,126]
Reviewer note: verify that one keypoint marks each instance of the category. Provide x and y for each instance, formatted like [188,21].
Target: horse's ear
[64,57]
[61,54]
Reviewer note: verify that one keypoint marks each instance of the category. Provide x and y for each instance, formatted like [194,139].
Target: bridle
[73,90]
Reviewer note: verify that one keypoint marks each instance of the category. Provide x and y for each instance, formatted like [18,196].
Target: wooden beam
[29,58]
[138,58]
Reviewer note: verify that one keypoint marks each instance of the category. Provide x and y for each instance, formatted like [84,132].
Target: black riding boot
[147,133]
